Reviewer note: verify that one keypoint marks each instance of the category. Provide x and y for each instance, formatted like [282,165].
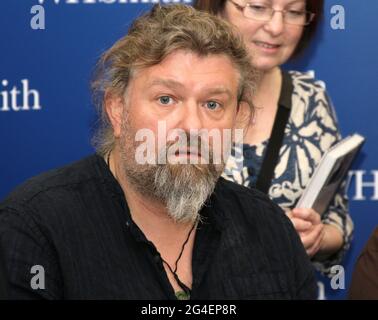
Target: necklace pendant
[182,295]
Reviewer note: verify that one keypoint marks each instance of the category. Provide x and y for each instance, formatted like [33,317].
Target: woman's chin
[265,66]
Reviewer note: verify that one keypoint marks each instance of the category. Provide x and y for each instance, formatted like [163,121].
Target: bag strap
[275,142]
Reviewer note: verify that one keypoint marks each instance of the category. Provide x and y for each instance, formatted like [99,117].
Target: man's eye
[165,100]
[212,105]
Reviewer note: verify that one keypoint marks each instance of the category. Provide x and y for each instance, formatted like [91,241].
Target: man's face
[184,92]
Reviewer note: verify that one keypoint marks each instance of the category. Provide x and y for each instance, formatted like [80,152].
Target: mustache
[193,144]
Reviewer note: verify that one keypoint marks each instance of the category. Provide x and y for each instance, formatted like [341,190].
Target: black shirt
[75,223]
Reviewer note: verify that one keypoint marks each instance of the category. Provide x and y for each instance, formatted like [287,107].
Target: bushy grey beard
[183,188]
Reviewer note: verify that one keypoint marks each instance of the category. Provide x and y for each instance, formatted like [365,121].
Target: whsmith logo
[111,1]
[37,21]
[18,97]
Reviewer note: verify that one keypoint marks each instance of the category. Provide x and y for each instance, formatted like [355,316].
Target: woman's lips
[266,46]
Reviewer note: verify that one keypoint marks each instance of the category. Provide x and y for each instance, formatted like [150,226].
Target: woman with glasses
[293,123]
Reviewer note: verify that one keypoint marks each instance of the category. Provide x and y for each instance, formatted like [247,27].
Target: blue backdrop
[46,115]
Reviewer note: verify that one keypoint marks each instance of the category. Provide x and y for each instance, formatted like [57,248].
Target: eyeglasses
[260,12]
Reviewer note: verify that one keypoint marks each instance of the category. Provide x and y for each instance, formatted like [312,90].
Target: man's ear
[242,107]
[114,105]
[243,114]
[238,107]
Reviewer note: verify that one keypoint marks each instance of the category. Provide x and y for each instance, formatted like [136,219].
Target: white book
[330,172]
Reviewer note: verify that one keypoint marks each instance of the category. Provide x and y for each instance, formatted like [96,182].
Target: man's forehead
[183,69]
[215,86]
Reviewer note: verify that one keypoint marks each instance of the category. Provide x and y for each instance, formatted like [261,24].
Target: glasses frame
[242,9]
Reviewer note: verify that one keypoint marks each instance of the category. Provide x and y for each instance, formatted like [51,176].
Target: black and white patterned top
[311,130]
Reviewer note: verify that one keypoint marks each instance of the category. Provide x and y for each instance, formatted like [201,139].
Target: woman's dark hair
[315,6]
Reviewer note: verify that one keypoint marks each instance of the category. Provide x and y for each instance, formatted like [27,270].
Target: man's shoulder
[238,191]
[249,204]
[53,181]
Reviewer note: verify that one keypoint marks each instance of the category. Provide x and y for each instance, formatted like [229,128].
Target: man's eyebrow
[176,84]
[220,90]
[165,82]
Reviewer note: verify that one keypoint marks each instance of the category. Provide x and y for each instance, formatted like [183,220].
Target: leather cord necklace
[185,293]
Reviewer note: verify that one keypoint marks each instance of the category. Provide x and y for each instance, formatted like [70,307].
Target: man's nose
[276,24]
[191,117]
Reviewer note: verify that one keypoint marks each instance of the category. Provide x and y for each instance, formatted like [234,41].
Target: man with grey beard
[148,216]
[183,186]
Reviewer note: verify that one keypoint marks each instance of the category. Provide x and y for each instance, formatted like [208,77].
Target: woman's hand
[318,239]
[311,230]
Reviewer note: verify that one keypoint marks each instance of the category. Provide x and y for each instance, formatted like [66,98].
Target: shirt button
[157,259]
[127,224]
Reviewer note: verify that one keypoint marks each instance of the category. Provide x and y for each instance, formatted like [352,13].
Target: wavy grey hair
[150,39]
